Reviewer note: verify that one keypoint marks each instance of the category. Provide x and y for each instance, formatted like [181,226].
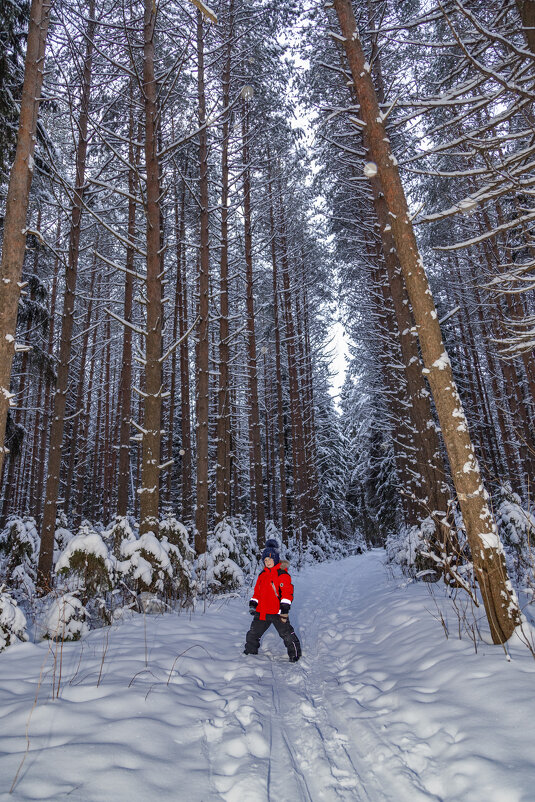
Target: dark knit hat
[271,549]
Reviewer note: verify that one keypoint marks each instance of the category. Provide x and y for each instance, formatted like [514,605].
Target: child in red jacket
[270,604]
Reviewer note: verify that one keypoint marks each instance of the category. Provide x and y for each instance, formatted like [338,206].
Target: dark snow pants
[285,630]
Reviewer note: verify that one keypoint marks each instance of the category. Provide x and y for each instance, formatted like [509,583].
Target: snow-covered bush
[12,620]
[410,549]
[64,618]
[19,550]
[146,563]
[246,552]
[219,567]
[62,535]
[358,542]
[181,555]
[289,551]
[516,526]
[87,564]
[119,531]
[317,547]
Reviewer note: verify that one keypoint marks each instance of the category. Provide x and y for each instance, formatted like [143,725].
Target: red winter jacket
[269,599]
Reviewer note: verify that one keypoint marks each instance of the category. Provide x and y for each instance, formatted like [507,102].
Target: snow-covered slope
[381,706]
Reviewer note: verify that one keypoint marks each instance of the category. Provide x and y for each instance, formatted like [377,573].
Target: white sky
[338,364]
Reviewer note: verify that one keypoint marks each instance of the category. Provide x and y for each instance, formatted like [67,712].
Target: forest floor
[382,706]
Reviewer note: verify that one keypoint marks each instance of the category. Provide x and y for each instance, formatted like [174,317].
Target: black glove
[285,609]
[252,607]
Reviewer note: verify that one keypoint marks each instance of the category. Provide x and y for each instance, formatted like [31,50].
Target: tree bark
[526,9]
[202,400]
[222,497]
[38,503]
[81,498]
[125,383]
[149,492]
[278,371]
[79,394]
[431,493]
[185,406]
[300,512]
[500,602]
[258,511]
[20,179]
[67,322]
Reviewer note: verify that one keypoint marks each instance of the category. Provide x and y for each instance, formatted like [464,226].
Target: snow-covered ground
[381,707]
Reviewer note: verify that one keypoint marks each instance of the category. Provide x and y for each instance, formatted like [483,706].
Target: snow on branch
[449,314]
[527,218]
[126,323]
[204,9]
[120,267]
[181,340]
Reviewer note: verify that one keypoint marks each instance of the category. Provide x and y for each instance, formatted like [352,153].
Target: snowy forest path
[317,747]
[168,708]
[315,703]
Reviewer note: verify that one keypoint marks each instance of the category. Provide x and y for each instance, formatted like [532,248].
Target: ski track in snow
[381,707]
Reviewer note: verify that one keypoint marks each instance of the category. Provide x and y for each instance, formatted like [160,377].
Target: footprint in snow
[245,715]
[308,711]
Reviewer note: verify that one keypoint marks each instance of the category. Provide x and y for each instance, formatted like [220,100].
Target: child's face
[268,562]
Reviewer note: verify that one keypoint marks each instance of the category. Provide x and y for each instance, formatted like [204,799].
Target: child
[270,604]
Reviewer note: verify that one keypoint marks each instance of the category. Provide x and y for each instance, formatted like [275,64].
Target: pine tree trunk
[499,599]
[95,488]
[125,382]
[20,179]
[177,311]
[202,400]
[429,465]
[79,393]
[430,489]
[149,491]
[310,417]
[396,392]
[24,390]
[48,386]
[222,481]
[300,513]
[258,511]
[67,322]
[107,459]
[185,408]
[278,372]
[80,503]
[526,9]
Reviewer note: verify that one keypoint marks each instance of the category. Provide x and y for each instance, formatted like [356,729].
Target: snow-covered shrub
[119,531]
[64,618]
[246,550]
[410,549]
[516,526]
[181,555]
[317,547]
[151,604]
[62,535]
[289,551]
[87,564]
[272,532]
[19,550]
[12,620]
[358,542]
[146,563]
[220,568]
